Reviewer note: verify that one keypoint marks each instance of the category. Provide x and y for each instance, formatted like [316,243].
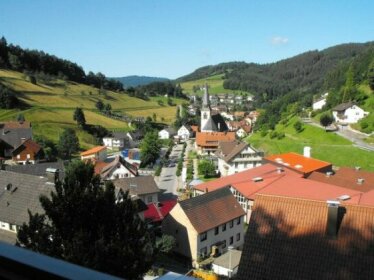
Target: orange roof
[298,162]
[94,150]
[209,139]
[99,166]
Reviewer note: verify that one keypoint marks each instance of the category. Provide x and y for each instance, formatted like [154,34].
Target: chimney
[332,218]
[307,151]
[206,190]
[52,174]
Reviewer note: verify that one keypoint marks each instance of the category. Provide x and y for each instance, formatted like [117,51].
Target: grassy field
[325,146]
[51,106]
[215,84]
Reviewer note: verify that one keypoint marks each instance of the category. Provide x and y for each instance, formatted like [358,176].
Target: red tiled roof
[94,150]
[298,162]
[243,181]
[211,139]
[367,198]
[157,212]
[286,240]
[99,166]
[287,183]
[348,178]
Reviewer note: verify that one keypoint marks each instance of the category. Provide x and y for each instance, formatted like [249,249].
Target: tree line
[34,62]
[156,89]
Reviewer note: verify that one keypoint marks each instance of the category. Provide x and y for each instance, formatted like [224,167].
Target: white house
[206,225]
[227,116]
[236,156]
[118,140]
[318,104]
[348,113]
[117,168]
[166,133]
[184,132]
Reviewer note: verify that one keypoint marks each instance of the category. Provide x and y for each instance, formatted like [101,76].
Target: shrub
[273,134]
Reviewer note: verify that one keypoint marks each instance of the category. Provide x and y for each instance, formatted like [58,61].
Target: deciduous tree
[68,143]
[87,224]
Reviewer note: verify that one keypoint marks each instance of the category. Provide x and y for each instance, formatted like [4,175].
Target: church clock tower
[205,109]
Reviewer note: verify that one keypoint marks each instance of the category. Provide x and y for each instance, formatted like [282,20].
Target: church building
[213,128]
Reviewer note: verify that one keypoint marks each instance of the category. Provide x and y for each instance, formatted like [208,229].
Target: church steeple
[206,97]
[205,109]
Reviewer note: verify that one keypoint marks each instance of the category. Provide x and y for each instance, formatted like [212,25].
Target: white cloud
[278,40]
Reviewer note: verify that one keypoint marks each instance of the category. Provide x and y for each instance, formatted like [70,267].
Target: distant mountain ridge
[134,80]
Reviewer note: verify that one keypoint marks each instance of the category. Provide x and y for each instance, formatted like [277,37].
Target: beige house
[206,225]
[96,153]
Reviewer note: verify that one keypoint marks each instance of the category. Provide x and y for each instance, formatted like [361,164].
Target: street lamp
[230,248]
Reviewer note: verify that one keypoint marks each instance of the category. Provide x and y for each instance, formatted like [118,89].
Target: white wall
[184,133]
[351,115]
[224,271]
[212,238]
[163,134]
[319,104]
[120,172]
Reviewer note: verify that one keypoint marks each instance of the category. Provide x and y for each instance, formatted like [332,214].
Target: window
[224,244]
[176,231]
[224,227]
[28,156]
[203,236]
[238,237]
[238,220]
[231,240]
[203,252]
[149,199]
[231,223]
[216,230]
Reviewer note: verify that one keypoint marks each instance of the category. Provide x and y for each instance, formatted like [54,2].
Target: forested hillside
[134,81]
[339,70]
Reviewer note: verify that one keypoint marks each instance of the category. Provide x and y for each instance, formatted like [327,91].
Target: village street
[168,181]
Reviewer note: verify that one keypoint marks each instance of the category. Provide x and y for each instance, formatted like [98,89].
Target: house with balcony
[236,156]
[347,113]
[206,225]
[117,141]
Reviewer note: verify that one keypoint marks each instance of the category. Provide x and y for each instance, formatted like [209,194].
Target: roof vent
[360,181]
[133,186]
[286,164]
[257,179]
[278,159]
[329,173]
[344,197]
[8,187]
[358,168]
[280,170]
[298,166]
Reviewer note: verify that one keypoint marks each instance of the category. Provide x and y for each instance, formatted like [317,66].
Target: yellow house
[206,225]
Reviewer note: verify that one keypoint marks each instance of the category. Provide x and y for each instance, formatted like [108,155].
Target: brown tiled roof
[286,240]
[15,125]
[228,150]
[348,178]
[29,144]
[211,139]
[137,185]
[109,167]
[211,209]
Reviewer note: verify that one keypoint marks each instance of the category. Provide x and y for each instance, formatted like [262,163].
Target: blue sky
[172,38]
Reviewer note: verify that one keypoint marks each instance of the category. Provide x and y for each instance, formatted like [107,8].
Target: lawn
[51,106]
[325,146]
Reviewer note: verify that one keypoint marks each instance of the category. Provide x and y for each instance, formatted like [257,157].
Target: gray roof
[216,123]
[137,185]
[23,194]
[38,169]
[14,136]
[232,256]
[343,106]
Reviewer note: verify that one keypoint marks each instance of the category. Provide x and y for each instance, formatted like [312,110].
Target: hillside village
[225,203]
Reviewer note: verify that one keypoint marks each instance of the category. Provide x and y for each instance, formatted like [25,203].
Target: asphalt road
[168,180]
